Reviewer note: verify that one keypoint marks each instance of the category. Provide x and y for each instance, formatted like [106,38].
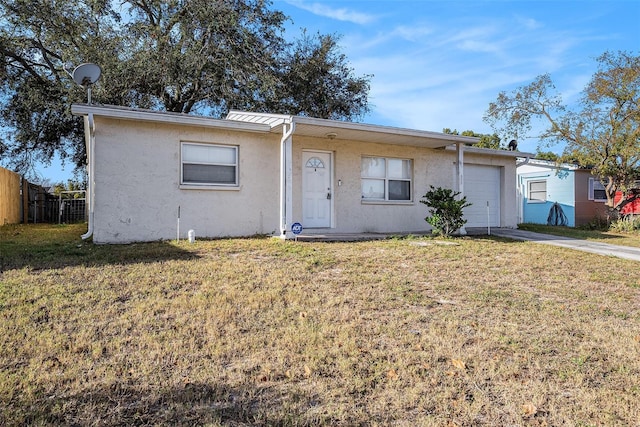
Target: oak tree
[187,56]
[491,141]
[602,133]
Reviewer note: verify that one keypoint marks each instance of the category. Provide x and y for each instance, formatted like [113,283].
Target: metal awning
[341,130]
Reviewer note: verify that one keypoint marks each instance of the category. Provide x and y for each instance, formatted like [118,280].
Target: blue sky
[438,64]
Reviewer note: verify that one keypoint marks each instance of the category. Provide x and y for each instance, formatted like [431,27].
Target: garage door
[482,186]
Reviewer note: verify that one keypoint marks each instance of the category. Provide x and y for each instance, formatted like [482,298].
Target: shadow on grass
[45,246]
[192,404]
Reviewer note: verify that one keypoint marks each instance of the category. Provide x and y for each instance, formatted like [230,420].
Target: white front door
[316,189]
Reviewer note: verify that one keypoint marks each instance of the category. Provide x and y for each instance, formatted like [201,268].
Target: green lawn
[474,331]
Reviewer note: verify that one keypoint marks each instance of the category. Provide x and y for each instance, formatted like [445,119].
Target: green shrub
[446,210]
[628,224]
[598,223]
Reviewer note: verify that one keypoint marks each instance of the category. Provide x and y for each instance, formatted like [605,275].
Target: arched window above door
[315,163]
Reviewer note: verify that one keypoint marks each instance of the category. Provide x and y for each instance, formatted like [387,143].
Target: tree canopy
[195,56]
[486,140]
[602,133]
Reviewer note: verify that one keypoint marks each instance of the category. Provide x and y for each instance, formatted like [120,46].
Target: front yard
[416,331]
[611,237]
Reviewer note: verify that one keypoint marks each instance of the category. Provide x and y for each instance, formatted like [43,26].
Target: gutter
[125,113]
[524,162]
[90,131]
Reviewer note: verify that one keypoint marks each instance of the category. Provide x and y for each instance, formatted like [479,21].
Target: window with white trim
[385,179]
[209,164]
[537,191]
[597,192]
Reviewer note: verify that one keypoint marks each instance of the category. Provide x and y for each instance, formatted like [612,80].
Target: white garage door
[482,186]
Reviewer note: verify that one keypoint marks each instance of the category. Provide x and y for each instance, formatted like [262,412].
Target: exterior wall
[137,189]
[137,184]
[586,210]
[568,187]
[430,167]
[560,189]
[632,208]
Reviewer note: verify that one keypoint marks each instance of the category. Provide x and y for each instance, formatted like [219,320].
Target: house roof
[550,164]
[304,126]
[125,113]
[337,129]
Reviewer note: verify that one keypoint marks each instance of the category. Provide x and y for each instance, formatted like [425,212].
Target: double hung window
[537,191]
[597,192]
[208,164]
[385,179]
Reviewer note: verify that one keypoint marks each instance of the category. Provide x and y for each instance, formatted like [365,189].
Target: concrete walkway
[592,246]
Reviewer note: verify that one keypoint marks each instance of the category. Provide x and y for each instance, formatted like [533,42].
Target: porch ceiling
[332,129]
[349,131]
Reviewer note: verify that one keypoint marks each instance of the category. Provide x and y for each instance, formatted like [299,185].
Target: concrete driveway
[592,246]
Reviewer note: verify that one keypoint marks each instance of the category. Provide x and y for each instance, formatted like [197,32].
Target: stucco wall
[137,184]
[430,167]
[138,191]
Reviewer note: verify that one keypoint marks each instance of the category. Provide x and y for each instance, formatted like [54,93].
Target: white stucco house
[255,173]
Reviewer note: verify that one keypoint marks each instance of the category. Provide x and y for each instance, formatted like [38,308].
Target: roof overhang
[124,113]
[341,130]
[550,164]
[304,126]
[334,129]
[493,152]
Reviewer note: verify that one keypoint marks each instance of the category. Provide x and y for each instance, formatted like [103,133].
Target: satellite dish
[85,75]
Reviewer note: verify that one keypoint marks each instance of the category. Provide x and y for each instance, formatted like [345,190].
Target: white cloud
[479,46]
[438,96]
[340,14]
[419,87]
[527,23]
[412,33]
[431,73]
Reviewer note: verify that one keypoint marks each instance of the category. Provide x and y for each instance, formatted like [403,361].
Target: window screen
[204,164]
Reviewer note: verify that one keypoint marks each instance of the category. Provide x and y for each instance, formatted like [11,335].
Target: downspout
[90,131]
[285,176]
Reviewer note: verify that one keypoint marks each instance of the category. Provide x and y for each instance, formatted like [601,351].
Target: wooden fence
[10,200]
[22,201]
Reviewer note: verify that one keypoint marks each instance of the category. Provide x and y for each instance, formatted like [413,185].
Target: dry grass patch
[264,332]
[630,238]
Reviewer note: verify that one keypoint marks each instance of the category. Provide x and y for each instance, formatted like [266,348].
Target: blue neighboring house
[544,186]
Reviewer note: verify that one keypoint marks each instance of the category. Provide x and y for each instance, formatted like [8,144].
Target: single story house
[154,175]
[543,183]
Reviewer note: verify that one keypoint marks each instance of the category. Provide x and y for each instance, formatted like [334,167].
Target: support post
[460,175]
